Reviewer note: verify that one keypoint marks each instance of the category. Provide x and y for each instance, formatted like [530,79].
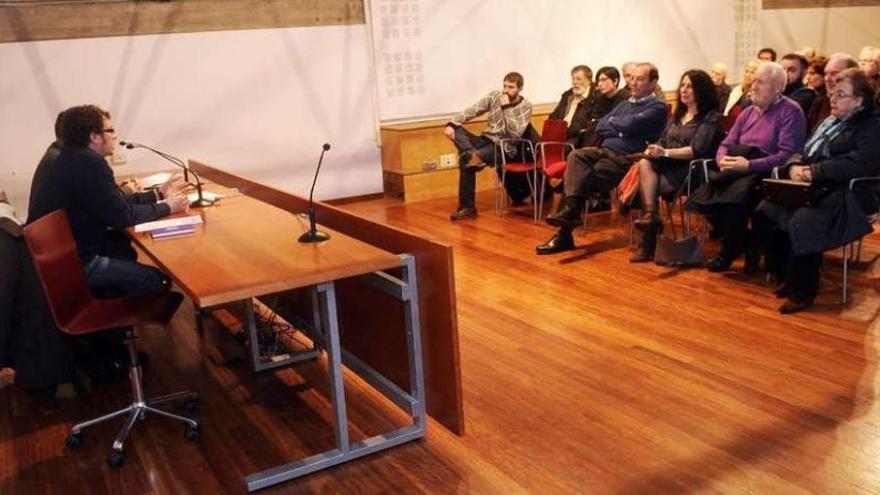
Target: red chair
[552,151]
[77,312]
[527,165]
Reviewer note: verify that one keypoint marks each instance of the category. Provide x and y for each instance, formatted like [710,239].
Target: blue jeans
[114,277]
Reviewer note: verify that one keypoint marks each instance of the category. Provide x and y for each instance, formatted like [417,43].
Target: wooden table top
[247,248]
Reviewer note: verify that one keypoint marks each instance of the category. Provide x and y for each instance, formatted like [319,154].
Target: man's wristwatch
[665,153]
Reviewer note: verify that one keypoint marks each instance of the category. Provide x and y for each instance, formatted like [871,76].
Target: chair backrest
[555,131]
[58,266]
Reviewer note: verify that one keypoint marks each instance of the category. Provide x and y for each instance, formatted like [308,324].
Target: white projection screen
[434,57]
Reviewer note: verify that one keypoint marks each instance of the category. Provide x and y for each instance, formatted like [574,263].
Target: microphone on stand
[201,202]
[314,235]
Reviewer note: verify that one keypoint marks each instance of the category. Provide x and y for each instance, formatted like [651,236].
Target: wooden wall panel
[31,22]
[816,4]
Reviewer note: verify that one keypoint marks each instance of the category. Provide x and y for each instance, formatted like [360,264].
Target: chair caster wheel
[74,440]
[116,459]
[192,434]
[191,404]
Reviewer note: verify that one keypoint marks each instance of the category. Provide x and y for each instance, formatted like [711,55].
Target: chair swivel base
[136,411]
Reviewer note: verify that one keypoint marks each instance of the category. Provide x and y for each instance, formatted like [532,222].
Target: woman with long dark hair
[693,132]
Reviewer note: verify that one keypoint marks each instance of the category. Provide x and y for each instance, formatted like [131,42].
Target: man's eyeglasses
[839,95]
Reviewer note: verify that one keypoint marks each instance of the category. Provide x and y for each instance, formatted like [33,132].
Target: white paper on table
[193,196]
[155,179]
[168,222]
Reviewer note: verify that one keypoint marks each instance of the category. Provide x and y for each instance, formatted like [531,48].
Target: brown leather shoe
[795,306]
[463,214]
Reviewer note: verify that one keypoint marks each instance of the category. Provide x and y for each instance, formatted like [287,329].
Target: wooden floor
[582,373]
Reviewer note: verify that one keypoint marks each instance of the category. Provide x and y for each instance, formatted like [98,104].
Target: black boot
[649,242]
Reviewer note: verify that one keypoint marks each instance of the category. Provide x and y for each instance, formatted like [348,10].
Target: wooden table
[245,249]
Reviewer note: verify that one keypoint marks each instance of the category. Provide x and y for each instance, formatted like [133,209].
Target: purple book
[173,231]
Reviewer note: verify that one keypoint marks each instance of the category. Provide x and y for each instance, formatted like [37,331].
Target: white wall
[827,30]
[435,57]
[258,102]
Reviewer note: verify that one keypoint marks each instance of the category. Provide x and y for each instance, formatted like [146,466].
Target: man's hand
[3,198]
[733,163]
[449,132]
[173,186]
[801,173]
[132,185]
[177,203]
[505,99]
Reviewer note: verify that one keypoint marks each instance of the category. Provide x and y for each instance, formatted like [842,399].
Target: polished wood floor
[582,373]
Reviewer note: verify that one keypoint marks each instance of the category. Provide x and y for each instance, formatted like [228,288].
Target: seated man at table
[509,117]
[624,131]
[81,182]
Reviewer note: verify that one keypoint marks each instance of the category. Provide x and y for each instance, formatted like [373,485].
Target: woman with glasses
[846,145]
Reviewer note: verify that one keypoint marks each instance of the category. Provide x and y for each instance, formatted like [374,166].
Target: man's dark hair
[515,78]
[653,73]
[78,124]
[771,51]
[59,122]
[705,94]
[609,72]
[861,87]
[588,72]
[800,58]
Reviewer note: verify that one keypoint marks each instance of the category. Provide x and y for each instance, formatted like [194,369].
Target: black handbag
[794,194]
[684,252]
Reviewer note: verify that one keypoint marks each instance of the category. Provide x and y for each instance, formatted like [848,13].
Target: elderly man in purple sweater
[764,136]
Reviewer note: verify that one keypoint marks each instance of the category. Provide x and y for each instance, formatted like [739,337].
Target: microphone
[314,235]
[201,202]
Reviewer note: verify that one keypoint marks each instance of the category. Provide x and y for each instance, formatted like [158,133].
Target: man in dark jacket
[795,66]
[81,182]
[577,105]
[626,130]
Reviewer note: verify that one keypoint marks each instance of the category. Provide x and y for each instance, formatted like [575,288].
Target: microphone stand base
[313,236]
[202,203]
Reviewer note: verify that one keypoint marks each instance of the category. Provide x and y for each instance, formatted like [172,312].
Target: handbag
[793,193]
[684,252]
[629,185]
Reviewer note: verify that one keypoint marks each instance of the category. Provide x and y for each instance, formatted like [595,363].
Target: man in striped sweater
[508,116]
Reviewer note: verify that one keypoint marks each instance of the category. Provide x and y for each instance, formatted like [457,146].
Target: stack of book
[172,231]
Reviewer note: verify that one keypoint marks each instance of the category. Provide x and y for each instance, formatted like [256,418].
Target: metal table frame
[327,339]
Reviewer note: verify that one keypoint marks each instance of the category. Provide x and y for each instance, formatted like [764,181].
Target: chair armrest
[704,162]
[775,173]
[541,145]
[515,141]
[853,182]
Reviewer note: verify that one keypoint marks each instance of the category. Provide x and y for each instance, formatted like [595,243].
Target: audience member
[808,52]
[508,117]
[577,106]
[869,63]
[719,78]
[815,76]
[694,132]
[821,108]
[845,146]
[629,74]
[763,137]
[795,66]
[624,131]
[739,96]
[767,55]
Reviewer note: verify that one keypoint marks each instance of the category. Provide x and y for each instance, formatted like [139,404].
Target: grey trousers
[590,170]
